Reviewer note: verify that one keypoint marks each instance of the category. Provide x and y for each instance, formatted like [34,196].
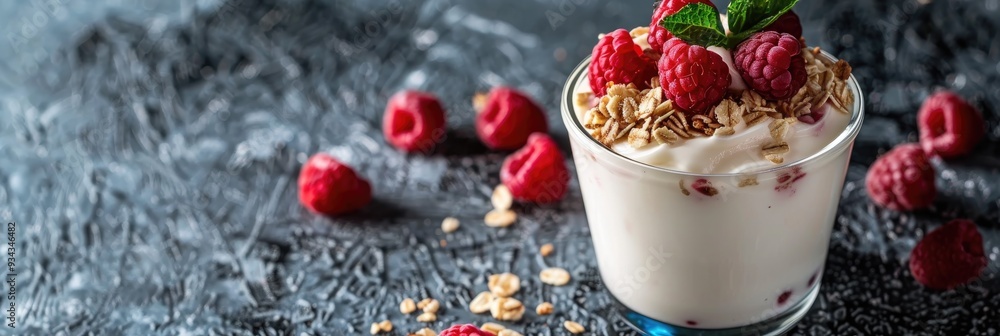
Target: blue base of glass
[773,326]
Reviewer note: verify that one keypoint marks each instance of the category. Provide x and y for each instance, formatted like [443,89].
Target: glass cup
[745,261]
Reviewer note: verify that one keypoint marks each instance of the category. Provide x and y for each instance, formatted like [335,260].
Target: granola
[507,309]
[645,117]
[554,276]
[573,327]
[544,308]
[504,284]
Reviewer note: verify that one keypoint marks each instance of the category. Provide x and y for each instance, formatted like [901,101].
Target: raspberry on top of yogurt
[714,83]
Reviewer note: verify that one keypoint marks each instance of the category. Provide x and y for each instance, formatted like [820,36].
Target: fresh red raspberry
[771,64]
[464,330]
[949,126]
[413,121]
[692,76]
[788,178]
[783,297]
[537,172]
[658,36]
[329,187]
[618,59]
[902,179]
[949,256]
[704,187]
[507,118]
[788,23]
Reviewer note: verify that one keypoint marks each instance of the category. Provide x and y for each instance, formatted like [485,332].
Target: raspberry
[788,178]
[814,116]
[537,172]
[771,64]
[658,36]
[704,187]
[413,121]
[507,118]
[783,298]
[948,256]
[618,59]
[788,23]
[902,179]
[692,76]
[329,187]
[949,126]
[464,330]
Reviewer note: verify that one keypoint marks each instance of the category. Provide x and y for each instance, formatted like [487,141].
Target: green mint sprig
[746,17]
[699,23]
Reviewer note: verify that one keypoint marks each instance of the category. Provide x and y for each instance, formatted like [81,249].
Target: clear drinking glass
[746,261]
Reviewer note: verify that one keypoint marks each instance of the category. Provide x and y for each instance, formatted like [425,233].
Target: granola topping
[644,117]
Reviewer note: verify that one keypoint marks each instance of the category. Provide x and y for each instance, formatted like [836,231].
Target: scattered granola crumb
[443,243]
[425,332]
[500,218]
[423,303]
[481,303]
[573,327]
[501,198]
[544,308]
[407,306]
[504,284]
[450,224]
[684,189]
[508,332]
[554,276]
[479,101]
[432,307]
[427,317]
[507,309]
[491,327]
[375,329]
[385,326]
[546,250]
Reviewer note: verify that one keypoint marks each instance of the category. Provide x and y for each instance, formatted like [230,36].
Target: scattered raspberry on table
[902,179]
[949,126]
[536,173]
[329,187]
[507,117]
[949,256]
[692,76]
[617,59]
[771,64]
[464,330]
[414,121]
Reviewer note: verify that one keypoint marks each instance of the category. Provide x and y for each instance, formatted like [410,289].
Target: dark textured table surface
[148,153]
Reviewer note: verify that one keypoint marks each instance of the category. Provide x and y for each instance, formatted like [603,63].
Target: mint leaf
[746,17]
[697,24]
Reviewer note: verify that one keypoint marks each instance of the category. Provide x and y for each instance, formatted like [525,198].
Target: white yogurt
[721,261]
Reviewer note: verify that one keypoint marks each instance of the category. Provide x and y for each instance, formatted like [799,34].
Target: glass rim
[843,140]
